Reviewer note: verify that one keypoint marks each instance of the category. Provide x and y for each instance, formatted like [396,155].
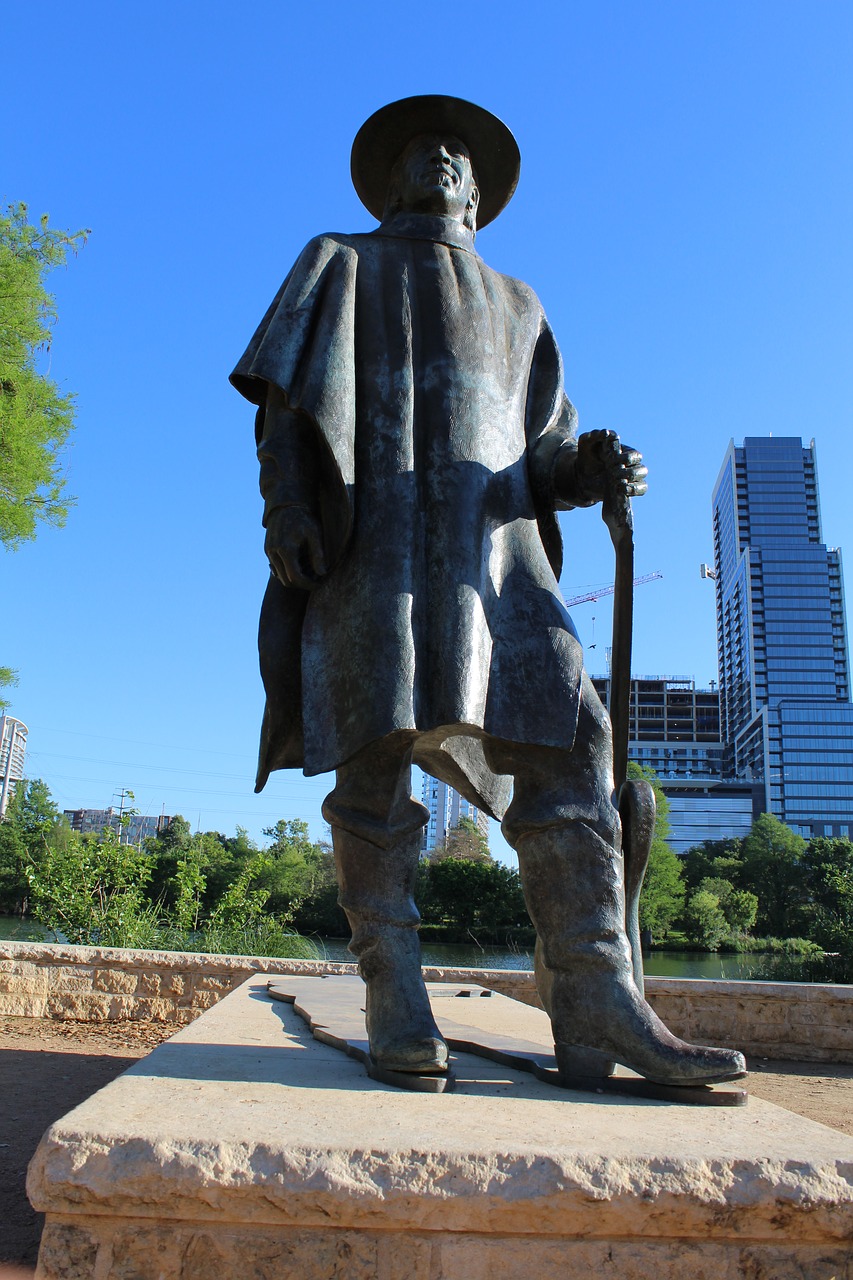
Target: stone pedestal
[243,1149]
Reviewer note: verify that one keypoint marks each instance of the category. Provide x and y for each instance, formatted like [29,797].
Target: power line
[136,742]
[197,791]
[124,764]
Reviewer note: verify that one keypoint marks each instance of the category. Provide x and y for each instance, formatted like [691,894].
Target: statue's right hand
[294,547]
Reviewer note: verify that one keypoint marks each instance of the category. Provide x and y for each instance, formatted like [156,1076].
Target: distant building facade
[674,730]
[785,709]
[13,752]
[134,827]
[446,806]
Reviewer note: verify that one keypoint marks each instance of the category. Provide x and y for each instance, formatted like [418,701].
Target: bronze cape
[434,387]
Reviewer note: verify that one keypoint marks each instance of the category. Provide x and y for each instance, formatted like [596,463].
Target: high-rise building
[13,750]
[785,709]
[446,806]
[134,827]
[674,730]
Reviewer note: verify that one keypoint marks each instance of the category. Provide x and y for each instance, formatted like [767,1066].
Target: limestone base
[243,1149]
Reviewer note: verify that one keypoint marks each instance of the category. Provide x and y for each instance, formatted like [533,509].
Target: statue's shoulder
[332,243]
[518,294]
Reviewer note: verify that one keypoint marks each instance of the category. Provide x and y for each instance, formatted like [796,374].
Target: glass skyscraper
[446,806]
[785,709]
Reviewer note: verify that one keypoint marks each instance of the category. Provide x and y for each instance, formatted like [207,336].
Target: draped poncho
[433,386]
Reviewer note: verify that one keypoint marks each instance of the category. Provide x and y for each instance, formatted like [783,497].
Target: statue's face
[435,176]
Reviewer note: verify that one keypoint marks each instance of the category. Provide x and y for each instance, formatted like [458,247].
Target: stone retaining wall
[806,1022]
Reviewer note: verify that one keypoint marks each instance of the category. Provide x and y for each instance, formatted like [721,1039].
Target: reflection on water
[13,927]
[660,964]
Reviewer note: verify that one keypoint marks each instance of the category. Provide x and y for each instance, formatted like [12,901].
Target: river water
[662,964]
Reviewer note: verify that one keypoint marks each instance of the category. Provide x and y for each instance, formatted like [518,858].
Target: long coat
[433,390]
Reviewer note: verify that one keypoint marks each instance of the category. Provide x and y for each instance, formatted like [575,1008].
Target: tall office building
[13,750]
[446,806]
[674,730]
[785,709]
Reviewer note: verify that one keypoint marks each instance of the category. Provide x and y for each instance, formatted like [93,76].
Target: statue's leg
[376,830]
[565,829]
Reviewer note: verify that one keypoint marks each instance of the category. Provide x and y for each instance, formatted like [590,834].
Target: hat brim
[380,140]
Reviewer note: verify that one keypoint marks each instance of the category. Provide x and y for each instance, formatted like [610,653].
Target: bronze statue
[415,442]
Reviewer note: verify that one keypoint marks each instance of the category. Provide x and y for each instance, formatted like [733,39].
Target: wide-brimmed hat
[380,140]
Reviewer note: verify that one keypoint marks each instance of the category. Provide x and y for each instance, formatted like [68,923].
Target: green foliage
[714,858]
[97,891]
[298,869]
[8,678]
[772,946]
[32,811]
[828,870]
[14,887]
[772,881]
[92,890]
[473,897]
[218,858]
[704,921]
[35,419]
[465,842]
[241,924]
[772,856]
[662,897]
[32,823]
[739,906]
[190,884]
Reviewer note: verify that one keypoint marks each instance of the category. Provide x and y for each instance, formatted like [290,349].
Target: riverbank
[716,966]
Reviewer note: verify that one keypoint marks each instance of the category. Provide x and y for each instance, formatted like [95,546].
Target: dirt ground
[46,1068]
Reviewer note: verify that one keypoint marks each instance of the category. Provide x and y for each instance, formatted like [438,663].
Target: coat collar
[425,226]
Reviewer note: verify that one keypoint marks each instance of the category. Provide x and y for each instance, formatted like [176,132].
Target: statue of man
[415,442]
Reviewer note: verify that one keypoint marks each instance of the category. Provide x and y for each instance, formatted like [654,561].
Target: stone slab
[244,1147]
[333,1009]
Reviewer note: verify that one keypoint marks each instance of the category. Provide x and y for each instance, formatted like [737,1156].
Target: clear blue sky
[684,212]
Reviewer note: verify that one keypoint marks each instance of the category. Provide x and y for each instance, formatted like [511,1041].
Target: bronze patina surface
[415,442]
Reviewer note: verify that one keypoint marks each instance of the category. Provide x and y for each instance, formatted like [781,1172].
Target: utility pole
[123,795]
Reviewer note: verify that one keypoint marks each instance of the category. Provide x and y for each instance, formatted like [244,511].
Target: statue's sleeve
[551,436]
[290,458]
[305,347]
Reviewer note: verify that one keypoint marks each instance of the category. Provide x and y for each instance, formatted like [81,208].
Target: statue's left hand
[605,468]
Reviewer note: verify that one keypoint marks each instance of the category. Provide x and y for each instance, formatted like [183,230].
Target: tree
[772,857]
[298,868]
[704,922]
[32,826]
[35,419]
[465,841]
[662,897]
[92,891]
[471,895]
[739,906]
[165,851]
[8,677]
[715,858]
[828,870]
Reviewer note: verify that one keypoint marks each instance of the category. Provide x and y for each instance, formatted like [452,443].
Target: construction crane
[608,591]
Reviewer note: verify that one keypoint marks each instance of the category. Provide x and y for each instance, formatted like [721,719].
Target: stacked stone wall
[806,1022]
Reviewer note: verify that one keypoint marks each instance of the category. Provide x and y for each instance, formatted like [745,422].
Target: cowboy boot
[376,891]
[572,881]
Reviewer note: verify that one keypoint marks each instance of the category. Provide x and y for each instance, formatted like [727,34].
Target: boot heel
[576,1060]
